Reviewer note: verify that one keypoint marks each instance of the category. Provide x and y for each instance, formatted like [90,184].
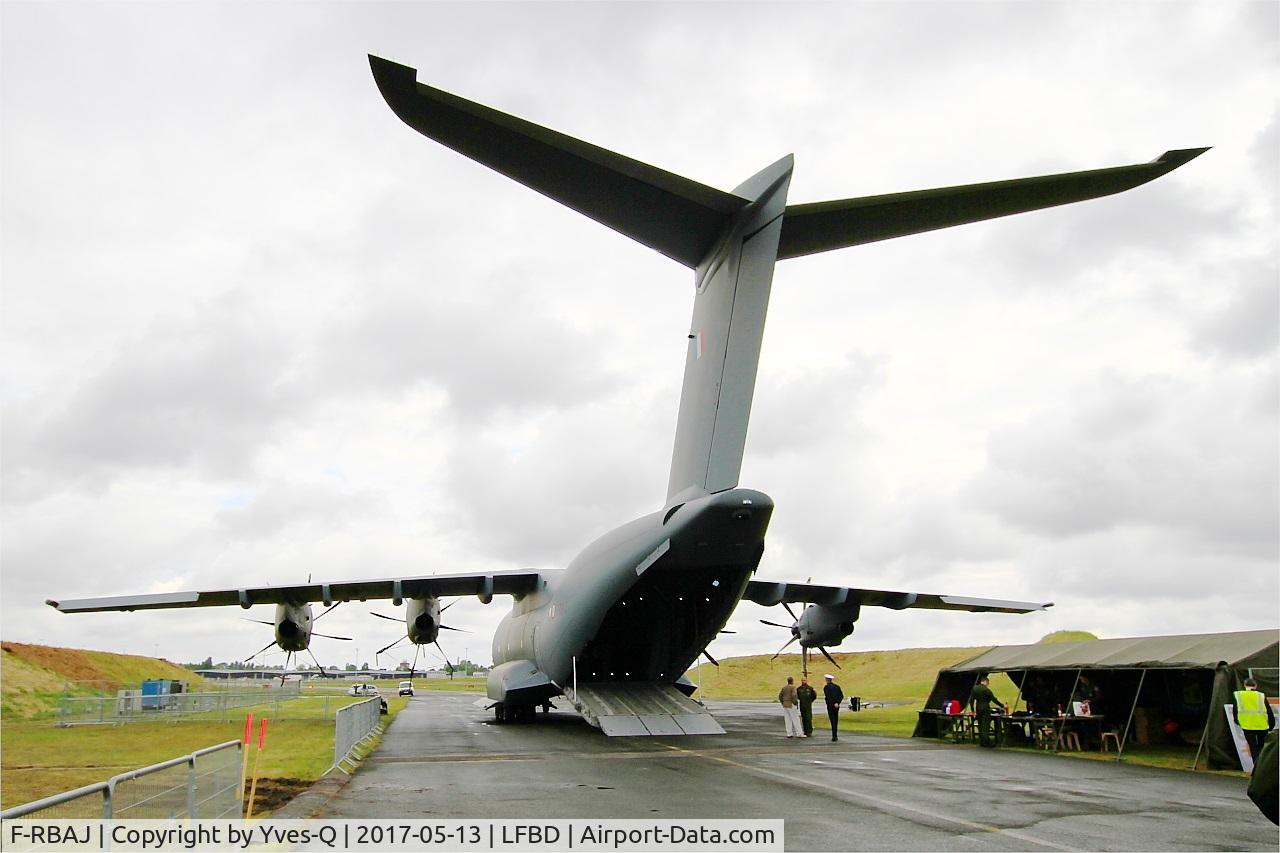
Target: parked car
[406,688]
[363,690]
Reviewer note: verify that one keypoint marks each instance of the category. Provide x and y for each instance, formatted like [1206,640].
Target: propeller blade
[446,659]
[413,666]
[391,618]
[259,621]
[460,630]
[329,636]
[287,657]
[710,658]
[327,611]
[392,645]
[728,632]
[784,648]
[317,663]
[260,651]
[790,611]
[450,604]
[767,622]
[828,657]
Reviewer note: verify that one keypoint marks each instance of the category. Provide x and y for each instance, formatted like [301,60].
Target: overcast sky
[255,328]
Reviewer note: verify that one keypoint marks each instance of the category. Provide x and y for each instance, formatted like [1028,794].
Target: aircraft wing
[817,227]
[770,593]
[484,585]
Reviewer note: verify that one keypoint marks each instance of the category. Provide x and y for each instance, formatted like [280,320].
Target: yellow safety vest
[1251,709]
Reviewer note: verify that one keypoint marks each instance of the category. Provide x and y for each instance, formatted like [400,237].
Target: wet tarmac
[444,757]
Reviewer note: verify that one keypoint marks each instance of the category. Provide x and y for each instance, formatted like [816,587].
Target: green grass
[1067,637]
[34,678]
[39,759]
[906,675]
[457,684]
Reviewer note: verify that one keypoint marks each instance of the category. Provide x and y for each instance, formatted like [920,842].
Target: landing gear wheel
[500,713]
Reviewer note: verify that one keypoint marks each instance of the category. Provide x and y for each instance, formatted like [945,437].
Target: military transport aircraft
[616,629]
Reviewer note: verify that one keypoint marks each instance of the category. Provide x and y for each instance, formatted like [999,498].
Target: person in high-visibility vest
[1253,713]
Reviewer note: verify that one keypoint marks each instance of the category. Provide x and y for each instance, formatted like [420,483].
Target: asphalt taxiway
[444,757]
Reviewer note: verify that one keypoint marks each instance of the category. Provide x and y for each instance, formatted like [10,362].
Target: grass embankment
[38,759]
[905,675]
[900,679]
[33,678]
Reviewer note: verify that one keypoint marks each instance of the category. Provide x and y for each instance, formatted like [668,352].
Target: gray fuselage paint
[618,612]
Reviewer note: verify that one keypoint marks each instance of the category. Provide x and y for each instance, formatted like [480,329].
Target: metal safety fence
[203,785]
[353,726]
[129,707]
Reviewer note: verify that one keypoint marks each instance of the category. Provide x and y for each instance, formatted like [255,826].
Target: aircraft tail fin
[817,227]
[678,217]
[731,240]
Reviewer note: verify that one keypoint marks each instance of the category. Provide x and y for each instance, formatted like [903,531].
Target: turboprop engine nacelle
[293,626]
[422,619]
[821,625]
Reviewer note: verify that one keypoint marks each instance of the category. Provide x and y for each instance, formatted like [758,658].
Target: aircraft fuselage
[638,604]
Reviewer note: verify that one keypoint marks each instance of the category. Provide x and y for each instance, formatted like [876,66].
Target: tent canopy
[1239,649]
[1172,684]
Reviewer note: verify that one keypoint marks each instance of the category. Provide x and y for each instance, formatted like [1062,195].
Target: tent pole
[1124,740]
[1204,735]
[1013,707]
[1062,721]
[1018,698]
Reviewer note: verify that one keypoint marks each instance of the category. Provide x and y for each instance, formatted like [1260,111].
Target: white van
[406,688]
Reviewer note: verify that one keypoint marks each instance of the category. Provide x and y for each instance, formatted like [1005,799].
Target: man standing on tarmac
[806,694]
[1253,713]
[980,702]
[833,696]
[790,707]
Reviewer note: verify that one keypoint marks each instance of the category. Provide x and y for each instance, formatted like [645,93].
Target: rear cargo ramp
[630,709]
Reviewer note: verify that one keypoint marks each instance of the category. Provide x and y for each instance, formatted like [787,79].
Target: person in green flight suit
[806,694]
[980,702]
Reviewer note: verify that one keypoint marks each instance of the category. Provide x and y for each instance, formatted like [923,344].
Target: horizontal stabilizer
[678,217]
[770,593]
[516,583]
[817,227]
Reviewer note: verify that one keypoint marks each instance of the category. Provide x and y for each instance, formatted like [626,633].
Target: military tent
[1156,689]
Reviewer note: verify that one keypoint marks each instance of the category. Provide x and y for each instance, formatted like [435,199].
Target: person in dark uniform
[806,694]
[833,696]
[980,702]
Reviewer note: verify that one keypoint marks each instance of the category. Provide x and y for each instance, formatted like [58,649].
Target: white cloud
[254,328]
